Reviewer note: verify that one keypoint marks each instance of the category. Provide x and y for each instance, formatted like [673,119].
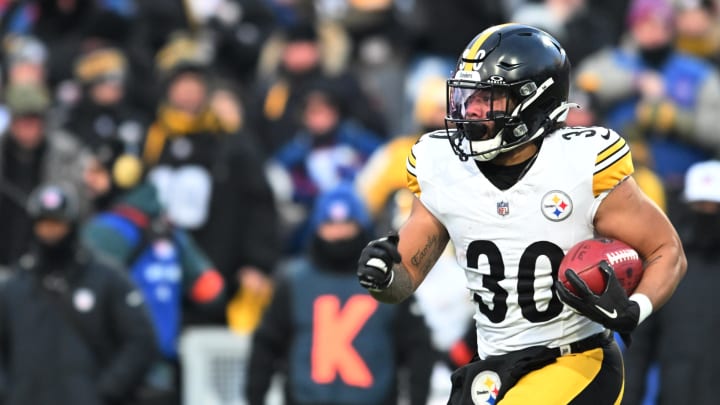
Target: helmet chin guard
[468,146]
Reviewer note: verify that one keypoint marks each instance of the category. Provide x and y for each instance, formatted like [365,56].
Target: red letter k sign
[333,332]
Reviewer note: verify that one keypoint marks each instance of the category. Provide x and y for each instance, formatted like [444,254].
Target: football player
[514,188]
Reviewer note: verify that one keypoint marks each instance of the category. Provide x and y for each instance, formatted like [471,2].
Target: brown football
[585,257]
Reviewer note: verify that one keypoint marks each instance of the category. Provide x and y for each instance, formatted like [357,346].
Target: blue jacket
[345,157]
[683,76]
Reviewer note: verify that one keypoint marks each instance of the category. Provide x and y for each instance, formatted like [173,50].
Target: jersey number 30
[525,279]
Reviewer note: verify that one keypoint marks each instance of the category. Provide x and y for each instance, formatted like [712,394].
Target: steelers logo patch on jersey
[556,205]
[485,388]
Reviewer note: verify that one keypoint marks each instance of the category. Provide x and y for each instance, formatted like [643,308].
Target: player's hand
[612,308]
[375,266]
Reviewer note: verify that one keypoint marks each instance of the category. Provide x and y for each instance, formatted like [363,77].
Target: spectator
[25,57]
[30,154]
[66,27]
[654,94]
[698,29]
[334,343]
[210,179]
[682,345]
[327,150]
[131,229]
[384,173]
[303,54]
[24,60]
[73,328]
[103,110]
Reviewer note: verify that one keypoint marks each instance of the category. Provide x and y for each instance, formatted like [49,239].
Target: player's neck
[516,156]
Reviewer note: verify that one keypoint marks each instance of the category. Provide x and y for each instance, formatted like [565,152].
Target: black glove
[376,262]
[612,308]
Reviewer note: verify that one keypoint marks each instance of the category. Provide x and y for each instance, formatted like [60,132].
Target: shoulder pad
[422,143]
[613,161]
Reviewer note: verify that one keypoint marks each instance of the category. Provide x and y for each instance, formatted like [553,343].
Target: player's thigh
[594,377]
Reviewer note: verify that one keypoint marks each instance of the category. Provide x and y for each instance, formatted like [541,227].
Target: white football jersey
[510,242]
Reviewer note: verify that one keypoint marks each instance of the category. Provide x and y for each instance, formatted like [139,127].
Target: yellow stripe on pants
[559,382]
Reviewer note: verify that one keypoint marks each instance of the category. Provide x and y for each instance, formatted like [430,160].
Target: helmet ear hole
[527,89]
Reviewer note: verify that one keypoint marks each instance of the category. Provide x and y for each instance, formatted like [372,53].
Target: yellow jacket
[384,173]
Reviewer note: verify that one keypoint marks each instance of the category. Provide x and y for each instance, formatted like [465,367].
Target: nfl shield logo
[503,208]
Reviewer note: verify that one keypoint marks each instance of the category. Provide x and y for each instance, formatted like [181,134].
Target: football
[584,258]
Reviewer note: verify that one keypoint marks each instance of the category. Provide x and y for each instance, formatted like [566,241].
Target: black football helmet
[520,64]
[53,201]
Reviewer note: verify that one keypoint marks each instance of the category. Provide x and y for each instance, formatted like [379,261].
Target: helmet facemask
[473,136]
[513,108]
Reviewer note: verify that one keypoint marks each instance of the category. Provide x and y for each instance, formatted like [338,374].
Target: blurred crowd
[193,146]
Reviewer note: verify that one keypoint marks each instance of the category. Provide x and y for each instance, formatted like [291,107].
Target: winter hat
[27,99]
[25,49]
[100,65]
[184,52]
[641,10]
[339,204]
[54,201]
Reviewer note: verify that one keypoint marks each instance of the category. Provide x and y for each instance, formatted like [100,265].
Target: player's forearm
[663,270]
[399,290]
[408,275]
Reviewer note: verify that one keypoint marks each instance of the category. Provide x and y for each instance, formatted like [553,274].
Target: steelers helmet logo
[556,205]
[485,388]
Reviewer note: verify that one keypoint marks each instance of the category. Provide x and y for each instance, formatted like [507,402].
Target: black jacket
[77,336]
[242,220]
